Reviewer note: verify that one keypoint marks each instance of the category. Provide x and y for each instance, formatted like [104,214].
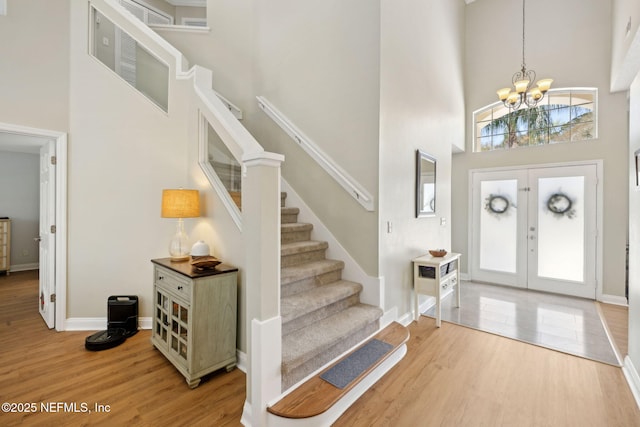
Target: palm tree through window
[565,115]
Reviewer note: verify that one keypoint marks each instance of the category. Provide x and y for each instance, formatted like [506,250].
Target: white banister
[350,185]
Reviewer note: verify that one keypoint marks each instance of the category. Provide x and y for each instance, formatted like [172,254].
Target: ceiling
[20,143]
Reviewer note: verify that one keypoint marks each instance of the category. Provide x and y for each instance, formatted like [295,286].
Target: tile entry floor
[567,324]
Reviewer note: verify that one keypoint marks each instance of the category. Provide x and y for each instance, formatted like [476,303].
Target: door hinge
[52,297]
[54,160]
[53,229]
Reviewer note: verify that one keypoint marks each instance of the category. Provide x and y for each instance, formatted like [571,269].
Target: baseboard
[241,361]
[633,379]
[98,323]
[24,267]
[388,317]
[613,299]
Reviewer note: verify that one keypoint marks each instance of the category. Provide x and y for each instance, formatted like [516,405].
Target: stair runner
[322,316]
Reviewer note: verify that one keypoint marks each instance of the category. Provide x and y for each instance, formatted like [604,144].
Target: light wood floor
[451,376]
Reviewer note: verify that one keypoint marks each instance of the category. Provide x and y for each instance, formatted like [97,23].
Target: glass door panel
[560,246]
[499,225]
[498,221]
[179,330]
[563,231]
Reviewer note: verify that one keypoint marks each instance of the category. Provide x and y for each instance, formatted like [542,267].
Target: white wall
[20,201]
[625,59]
[634,229]
[421,107]
[574,52]
[34,53]
[318,62]
[123,150]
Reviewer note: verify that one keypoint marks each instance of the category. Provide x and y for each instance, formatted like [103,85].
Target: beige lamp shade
[180,203]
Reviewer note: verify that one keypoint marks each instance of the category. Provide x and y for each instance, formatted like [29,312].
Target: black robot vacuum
[122,322]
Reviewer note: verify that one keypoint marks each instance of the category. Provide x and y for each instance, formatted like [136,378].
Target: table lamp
[180,204]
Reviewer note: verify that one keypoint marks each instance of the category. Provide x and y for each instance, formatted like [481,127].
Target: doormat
[347,370]
[567,324]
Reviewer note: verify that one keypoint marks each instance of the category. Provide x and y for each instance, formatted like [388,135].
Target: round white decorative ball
[200,248]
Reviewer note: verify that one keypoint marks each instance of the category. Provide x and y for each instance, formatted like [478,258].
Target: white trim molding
[633,379]
[61,212]
[349,184]
[99,323]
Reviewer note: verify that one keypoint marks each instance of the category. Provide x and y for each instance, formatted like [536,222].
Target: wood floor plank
[617,319]
[455,376]
[451,376]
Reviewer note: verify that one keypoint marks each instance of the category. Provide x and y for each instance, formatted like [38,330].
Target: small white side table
[433,275]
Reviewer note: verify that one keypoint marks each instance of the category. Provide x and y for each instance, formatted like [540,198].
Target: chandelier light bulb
[521,85]
[544,84]
[503,93]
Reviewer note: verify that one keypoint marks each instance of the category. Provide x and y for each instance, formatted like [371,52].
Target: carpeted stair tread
[300,247]
[295,232]
[296,226]
[289,215]
[304,344]
[295,306]
[309,269]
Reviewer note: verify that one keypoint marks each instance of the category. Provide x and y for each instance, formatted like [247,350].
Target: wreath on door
[497,204]
[561,205]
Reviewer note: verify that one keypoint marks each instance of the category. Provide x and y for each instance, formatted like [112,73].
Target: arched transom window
[564,115]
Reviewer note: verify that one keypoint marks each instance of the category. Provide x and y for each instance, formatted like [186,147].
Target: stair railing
[347,182]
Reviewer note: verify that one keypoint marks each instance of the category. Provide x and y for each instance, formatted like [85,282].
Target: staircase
[322,316]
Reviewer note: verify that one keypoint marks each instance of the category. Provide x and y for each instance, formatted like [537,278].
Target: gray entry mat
[342,374]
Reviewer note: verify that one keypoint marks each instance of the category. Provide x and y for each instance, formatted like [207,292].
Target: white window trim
[564,89]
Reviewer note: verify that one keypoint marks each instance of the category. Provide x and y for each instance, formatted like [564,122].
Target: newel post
[261,235]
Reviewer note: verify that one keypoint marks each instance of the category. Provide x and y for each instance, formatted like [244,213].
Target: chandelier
[522,92]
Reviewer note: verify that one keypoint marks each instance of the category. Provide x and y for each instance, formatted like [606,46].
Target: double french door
[536,228]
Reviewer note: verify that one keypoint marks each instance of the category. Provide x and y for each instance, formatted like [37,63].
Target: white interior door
[536,228]
[47,233]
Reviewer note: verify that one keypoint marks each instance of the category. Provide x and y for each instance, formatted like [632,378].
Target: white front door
[536,228]
[562,230]
[47,233]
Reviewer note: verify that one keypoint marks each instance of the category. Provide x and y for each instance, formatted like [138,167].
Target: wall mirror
[425,184]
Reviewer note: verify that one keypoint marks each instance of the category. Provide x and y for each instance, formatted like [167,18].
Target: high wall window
[565,115]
